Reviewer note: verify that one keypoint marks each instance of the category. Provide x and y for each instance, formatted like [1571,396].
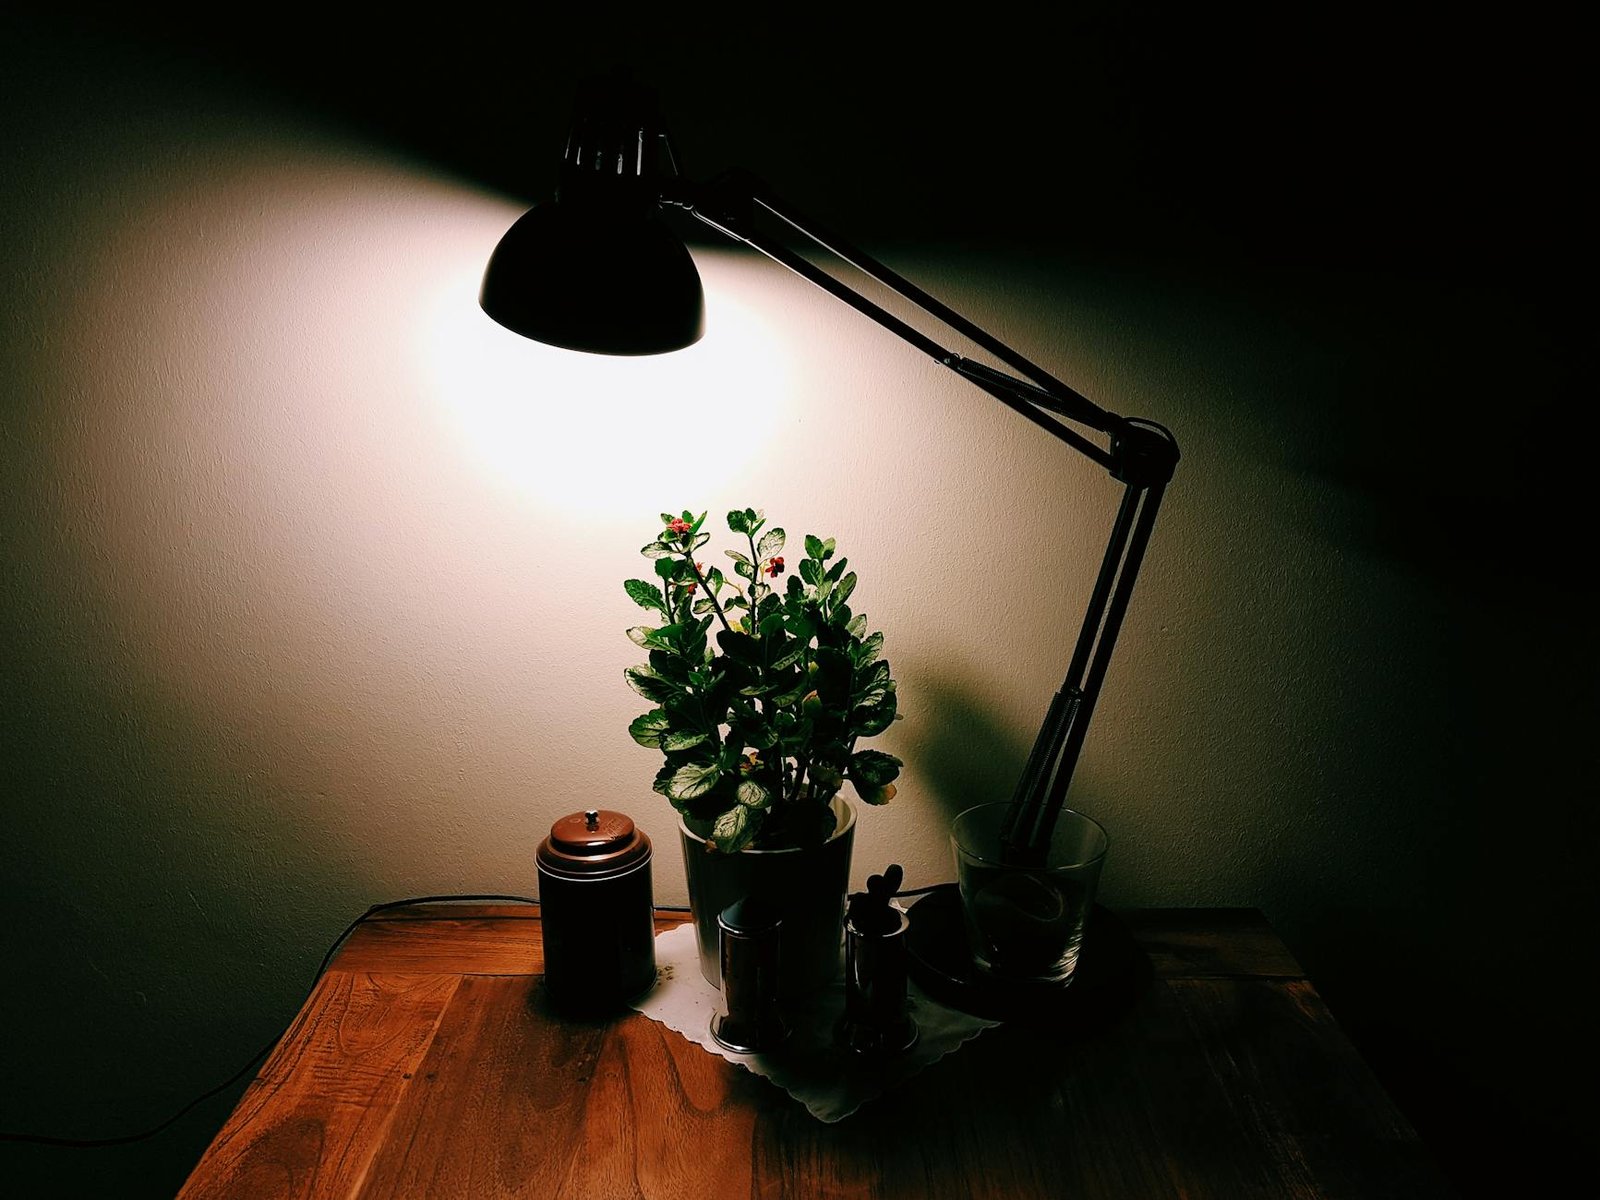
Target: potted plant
[761,695]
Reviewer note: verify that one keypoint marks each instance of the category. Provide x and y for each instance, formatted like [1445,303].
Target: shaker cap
[750,917]
[593,842]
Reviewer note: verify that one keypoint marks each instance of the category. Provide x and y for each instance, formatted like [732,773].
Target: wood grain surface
[427,1064]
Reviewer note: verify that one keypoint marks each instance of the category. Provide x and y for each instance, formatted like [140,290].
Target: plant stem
[755,623]
[710,594]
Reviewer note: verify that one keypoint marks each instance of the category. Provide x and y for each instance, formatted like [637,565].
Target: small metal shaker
[597,910]
[875,1021]
[749,951]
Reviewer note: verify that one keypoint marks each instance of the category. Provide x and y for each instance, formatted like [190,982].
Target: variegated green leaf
[753,795]
[684,739]
[734,829]
[647,730]
[693,779]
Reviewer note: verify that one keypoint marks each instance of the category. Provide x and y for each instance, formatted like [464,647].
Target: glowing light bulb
[598,433]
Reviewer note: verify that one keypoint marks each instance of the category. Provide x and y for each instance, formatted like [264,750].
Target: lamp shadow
[970,757]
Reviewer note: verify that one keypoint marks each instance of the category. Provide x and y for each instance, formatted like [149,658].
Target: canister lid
[593,841]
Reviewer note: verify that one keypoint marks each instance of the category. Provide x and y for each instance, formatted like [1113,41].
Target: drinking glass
[1025,920]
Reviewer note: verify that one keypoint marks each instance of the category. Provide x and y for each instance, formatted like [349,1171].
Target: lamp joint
[1144,453]
[728,202]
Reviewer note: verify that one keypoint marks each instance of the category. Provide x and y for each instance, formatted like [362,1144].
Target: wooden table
[426,1064]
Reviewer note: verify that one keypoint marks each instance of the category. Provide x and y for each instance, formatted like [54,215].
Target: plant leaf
[868,651]
[842,589]
[648,729]
[733,830]
[874,768]
[669,666]
[640,635]
[790,656]
[873,685]
[808,571]
[771,543]
[693,779]
[813,546]
[646,595]
[685,739]
[874,795]
[873,719]
[650,685]
[788,698]
[657,550]
[663,777]
[737,522]
[752,795]
[801,626]
[740,647]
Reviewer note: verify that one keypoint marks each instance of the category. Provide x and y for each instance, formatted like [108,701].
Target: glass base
[1111,970]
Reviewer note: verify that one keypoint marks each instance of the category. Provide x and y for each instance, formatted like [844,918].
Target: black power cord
[40,1139]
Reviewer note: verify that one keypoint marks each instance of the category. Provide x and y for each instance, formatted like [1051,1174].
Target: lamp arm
[1142,455]
[728,205]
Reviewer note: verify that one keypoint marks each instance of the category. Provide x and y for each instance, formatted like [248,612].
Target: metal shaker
[875,1019]
[748,946]
[597,910]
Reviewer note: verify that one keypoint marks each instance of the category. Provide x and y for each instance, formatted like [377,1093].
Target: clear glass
[1026,922]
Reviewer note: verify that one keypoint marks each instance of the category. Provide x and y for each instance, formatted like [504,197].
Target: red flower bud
[678,526]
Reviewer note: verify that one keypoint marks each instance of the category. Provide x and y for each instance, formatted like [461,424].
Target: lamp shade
[577,279]
[597,269]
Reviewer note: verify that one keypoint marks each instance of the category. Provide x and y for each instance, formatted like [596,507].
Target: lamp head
[596,269]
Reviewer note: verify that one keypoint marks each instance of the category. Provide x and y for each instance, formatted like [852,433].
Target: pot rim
[843,827]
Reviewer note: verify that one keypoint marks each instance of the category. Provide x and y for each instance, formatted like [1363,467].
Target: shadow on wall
[972,757]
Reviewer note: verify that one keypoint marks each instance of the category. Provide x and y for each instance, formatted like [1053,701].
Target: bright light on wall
[596,433]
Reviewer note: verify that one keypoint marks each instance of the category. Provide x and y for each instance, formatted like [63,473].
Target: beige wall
[312,591]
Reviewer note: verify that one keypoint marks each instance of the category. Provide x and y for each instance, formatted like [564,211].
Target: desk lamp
[597,270]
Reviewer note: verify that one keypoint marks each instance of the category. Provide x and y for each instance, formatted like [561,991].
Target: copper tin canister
[597,908]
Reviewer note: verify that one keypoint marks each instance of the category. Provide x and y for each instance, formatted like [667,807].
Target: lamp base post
[1112,971]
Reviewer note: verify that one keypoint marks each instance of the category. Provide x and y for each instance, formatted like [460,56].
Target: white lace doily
[832,1083]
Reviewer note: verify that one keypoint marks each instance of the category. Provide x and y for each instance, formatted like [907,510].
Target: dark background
[1319,158]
